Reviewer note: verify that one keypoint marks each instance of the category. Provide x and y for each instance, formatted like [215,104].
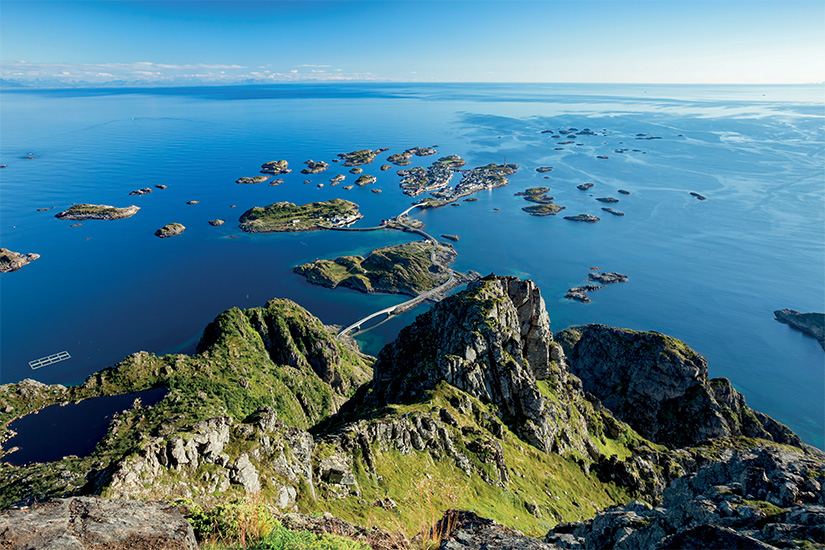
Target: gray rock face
[494,342]
[749,499]
[245,474]
[284,452]
[94,523]
[812,324]
[660,387]
[466,530]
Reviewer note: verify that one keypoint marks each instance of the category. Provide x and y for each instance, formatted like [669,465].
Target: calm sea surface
[708,272]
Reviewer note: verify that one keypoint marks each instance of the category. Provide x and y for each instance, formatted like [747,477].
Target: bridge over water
[409,304]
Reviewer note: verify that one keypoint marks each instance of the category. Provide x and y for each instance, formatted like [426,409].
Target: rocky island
[170,230]
[400,159]
[314,167]
[399,269]
[12,261]
[812,324]
[598,437]
[543,209]
[96,212]
[587,218]
[253,179]
[276,167]
[358,158]
[365,179]
[286,216]
[537,195]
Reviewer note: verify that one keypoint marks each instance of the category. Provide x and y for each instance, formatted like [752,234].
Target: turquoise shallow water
[709,272]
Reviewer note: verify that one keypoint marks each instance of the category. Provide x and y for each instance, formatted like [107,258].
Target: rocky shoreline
[12,261]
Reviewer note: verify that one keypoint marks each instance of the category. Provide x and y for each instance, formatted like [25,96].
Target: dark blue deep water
[709,272]
[73,429]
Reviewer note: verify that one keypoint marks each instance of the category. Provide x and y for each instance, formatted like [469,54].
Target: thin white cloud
[162,74]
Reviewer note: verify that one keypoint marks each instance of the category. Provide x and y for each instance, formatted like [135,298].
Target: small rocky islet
[252,179]
[170,230]
[586,218]
[579,293]
[543,209]
[276,167]
[314,167]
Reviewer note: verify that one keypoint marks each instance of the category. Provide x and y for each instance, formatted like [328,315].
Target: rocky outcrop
[12,261]
[202,461]
[462,530]
[660,387]
[87,523]
[494,342]
[762,498]
[812,324]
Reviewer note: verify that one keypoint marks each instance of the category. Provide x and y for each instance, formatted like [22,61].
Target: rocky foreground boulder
[87,523]
[761,498]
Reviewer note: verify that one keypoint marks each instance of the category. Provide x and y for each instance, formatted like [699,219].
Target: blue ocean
[710,272]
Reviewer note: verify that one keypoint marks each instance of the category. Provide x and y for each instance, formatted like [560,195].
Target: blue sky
[661,41]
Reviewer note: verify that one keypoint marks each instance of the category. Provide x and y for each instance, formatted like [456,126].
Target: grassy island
[400,269]
[400,159]
[543,209]
[285,216]
[170,230]
[365,179]
[357,158]
[96,212]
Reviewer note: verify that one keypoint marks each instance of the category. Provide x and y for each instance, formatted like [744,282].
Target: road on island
[409,304]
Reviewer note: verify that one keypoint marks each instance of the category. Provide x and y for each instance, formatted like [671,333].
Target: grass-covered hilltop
[474,407]
[285,216]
